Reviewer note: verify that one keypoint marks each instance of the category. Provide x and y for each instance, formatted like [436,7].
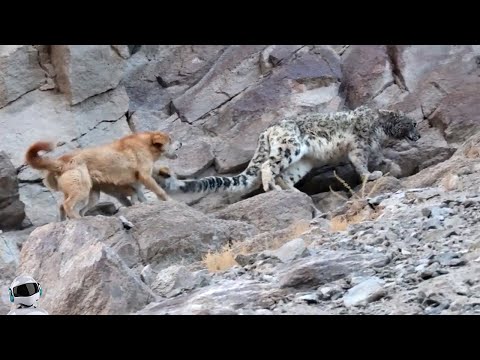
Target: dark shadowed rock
[12,210]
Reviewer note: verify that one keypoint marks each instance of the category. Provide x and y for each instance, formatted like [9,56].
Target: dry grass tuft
[224,259]
[220,260]
[358,209]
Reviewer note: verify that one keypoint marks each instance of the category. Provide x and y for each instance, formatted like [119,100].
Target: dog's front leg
[149,182]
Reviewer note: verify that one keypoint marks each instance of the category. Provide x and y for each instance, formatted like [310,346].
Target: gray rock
[173,281]
[244,260]
[10,245]
[147,275]
[84,71]
[41,115]
[324,268]
[283,208]
[12,210]
[309,298]
[168,232]
[367,291]
[228,297]
[218,85]
[87,271]
[292,250]
[330,292]
[21,72]
[450,259]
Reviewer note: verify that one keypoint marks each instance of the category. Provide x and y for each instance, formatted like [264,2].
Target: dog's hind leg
[76,185]
[62,213]
[122,199]
[71,204]
[92,201]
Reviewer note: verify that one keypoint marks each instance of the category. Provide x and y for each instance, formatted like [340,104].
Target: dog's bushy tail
[40,162]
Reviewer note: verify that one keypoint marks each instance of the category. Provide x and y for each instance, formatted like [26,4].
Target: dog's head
[163,144]
[398,125]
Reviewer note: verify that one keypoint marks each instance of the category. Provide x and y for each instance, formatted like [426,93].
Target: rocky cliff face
[401,245]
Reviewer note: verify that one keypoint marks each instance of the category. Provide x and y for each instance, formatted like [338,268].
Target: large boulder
[271,211]
[12,210]
[87,70]
[367,71]
[157,74]
[230,297]
[304,82]
[171,232]
[235,70]
[21,72]
[83,267]
[465,161]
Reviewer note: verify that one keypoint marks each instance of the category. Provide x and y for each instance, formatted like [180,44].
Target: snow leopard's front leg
[358,156]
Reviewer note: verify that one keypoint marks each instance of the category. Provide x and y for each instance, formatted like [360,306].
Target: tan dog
[120,192]
[124,162]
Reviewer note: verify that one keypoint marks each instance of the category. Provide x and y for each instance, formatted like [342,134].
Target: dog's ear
[159,139]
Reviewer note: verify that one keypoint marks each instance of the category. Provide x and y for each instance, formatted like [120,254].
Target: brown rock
[169,232]
[304,83]
[85,272]
[366,72]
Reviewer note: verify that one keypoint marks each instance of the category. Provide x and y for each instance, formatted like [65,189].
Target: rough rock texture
[20,70]
[271,211]
[81,268]
[12,210]
[412,232]
[87,70]
[167,232]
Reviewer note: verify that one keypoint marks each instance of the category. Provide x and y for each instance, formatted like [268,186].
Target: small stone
[126,224]
[368,291]
[310,298]
[244,260]
[426,212]
[147,275]
[292,250]
[433,223]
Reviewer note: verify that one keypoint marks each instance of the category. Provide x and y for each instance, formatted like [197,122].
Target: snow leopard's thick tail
[248,180]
